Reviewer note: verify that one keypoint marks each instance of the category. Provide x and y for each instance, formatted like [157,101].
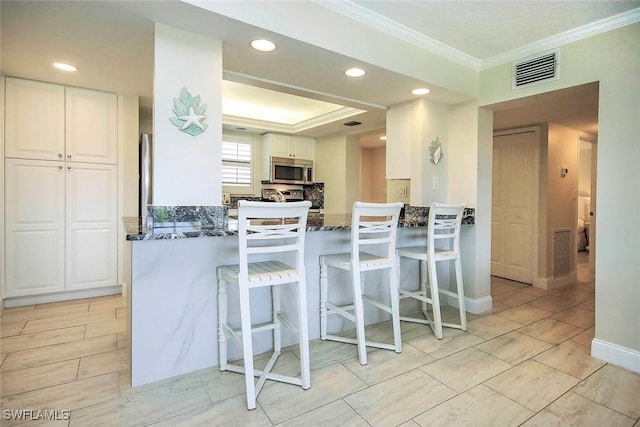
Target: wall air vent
[535,70]
[352,123]
[561,251]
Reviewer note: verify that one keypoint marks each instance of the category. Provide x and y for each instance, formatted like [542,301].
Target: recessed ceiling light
[263,45]
[384,138]
[65,67]
[421,91]
[355,72]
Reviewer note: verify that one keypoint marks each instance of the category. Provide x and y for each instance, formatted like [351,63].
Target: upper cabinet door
[280,145]
[91,126]
[304,148]
[34,120]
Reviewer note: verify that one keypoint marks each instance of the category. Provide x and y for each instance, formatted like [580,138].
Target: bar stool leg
[423,286]
[222,322]
[324,294]
[247,347]
[303,332]
[460,291]
[276,309]
[359,316]
[435,297]
[395,307]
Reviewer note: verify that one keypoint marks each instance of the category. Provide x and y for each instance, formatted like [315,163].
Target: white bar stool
[372,224]
[443,226]
[266,229]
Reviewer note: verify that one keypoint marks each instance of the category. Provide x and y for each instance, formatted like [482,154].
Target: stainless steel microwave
[291,171]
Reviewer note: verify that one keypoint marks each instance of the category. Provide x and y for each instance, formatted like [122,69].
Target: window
[237,164]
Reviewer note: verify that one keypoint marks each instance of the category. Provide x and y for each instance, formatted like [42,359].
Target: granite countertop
[228,227]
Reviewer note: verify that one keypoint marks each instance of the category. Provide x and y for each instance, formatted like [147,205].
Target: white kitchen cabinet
[45,121]
[60,226]
[34,227]
[91,226]
[300,147]
[34,120]
[91,126]
[399,141]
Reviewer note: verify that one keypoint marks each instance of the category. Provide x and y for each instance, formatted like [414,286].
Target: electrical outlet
[436,183]
[403,191]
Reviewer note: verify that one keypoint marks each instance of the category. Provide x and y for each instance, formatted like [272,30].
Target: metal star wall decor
[189,114]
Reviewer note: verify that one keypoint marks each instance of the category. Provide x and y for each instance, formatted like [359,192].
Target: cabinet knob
[60,155]
[68,167]
[59,167]
[68,156]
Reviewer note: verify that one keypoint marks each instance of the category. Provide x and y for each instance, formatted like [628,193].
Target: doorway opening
[564,205]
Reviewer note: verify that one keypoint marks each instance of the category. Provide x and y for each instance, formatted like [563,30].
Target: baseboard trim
[61,296]
[555,283]
[616,354]
[474,306]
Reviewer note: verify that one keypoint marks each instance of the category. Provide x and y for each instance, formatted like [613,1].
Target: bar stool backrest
[372,224]
[444,226]
[271,228]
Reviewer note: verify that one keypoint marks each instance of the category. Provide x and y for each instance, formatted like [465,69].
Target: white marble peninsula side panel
[173,299]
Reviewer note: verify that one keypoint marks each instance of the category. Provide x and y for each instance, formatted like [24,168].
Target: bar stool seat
[265,229]
[372,224]
[443,229]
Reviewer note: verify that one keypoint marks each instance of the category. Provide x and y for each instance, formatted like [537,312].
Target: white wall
[128,107]
[463,152]
[399,136]
[584,171]
[411,128]
[561,190]
[469,174]
[373,185]
[187,169]
[2,194]
[433,119]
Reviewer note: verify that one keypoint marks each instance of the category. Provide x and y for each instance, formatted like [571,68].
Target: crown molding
[602,26]
[386,25]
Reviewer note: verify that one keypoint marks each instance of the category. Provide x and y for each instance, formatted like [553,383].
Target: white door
[91,223]
[34,120]
[34,221]
[513,205]
[91,126]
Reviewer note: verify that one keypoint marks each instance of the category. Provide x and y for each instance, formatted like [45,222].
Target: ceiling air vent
[535,70]
[352,123]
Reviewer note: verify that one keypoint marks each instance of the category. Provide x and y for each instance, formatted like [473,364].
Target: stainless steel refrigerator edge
[145,176]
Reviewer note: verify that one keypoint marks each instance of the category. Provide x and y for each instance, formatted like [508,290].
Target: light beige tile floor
[525,363]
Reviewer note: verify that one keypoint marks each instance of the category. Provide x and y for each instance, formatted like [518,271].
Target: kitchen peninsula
[173,295]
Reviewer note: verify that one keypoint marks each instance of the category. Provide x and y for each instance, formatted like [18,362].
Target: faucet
[278,197]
